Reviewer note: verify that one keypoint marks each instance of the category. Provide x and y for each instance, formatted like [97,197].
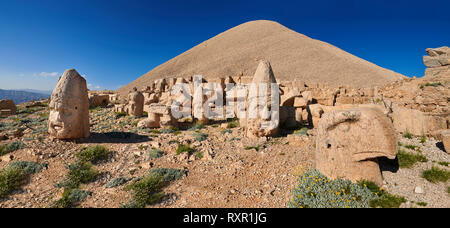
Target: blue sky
[114,42]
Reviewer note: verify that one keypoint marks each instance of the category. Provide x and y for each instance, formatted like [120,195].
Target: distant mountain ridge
[21,96]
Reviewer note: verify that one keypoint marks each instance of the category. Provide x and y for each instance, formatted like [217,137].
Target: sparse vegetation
[27,167]
[302,131]
[443,163]
[435,175]
[70,198]
[79,173]
[146,191]
[185,148]
[408,135]
[225,131]
[119,115]
[168,174]
[388,200]
[155,153]
[431,84]
[423,139]
[11,179]
[232,123]
[422,204]
[408,160]
[200,136]
[11,147]
[117,182]
[314,190]
[93,154]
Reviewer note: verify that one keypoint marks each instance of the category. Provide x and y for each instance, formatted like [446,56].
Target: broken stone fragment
[350,141]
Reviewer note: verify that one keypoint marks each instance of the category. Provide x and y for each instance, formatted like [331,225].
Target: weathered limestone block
[69,108]
[288,99]
[96,100]
[7,107]
[153,121]
[307,95]
[119,108]
[263,125]
[437,57]
[446,140]
[416,122]
[350,141]
[344,100]
[135,105]
[300,102]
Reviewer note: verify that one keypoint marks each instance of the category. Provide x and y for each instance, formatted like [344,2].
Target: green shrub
[423,139]
[155,153]
[200,136]
[225,131]
[412,147]
[387,201]
[422,204]
[119,115]
[79,173]
[26,166]
[314,190]
[196,126]
[407,160]
[11,147]
[70,198]
[168,174]
[185,148]
[436,174]
[93,154]
[199,155]
[443,163]
[407,135]
[233,124]
[146,191]
[10,180]
[117,182]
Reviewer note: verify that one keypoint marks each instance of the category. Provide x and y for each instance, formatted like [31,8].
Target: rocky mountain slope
[293,56]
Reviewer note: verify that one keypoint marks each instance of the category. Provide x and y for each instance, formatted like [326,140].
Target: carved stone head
[350,141]
[69,107]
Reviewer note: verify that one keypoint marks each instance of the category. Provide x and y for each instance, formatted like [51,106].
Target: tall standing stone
[260,121]
[136,103]
[69,107]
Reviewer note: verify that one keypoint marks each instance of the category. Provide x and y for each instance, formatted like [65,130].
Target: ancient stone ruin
[350,141]
[7,107]
[69,107]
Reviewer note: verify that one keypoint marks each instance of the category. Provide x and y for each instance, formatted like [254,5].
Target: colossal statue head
[350,141]
[69,107]
[136,103]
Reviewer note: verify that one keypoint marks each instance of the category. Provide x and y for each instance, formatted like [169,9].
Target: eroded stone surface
[69,107]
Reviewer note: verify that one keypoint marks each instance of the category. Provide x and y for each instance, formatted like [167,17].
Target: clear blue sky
[114,42]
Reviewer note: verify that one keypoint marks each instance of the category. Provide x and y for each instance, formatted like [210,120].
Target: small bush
[443,163]
[119,115]
[200,136]
[233,124]
[11,147]
[422,204]
[10,180]
[196,126]
[79,173]
[185,148]
[146,191]
[117,182]
[436,174]
[225,131]
[412,147]
[70,198]
[407,160]
[93,154]
[423,139]
[199,155]
[27,167]
[168,174]
[155,153]
[314,190]
[387,201]
[408,135]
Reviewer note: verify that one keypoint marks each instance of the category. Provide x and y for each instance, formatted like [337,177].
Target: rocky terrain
[227,174]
